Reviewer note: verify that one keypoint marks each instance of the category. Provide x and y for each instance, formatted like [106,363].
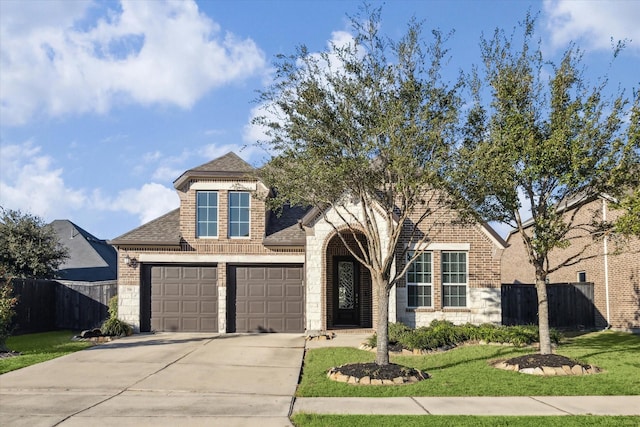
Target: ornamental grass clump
[114,326]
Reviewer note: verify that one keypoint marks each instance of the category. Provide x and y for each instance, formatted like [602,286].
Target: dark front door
[346,291]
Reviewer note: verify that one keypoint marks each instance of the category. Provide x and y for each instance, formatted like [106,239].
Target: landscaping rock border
[336,374]
[550,371]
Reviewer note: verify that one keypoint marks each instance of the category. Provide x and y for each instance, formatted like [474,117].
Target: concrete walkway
[160,380]
[516,405]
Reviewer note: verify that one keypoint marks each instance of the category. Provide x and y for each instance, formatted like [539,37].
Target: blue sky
[104,103]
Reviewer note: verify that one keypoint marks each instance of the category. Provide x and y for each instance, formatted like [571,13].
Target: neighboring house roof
[162,231]
[90,259]
[230,165]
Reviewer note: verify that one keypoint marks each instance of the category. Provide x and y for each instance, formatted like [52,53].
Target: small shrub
[113,326]
[116,328]
[396,331]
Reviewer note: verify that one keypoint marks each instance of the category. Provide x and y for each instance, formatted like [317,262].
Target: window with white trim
[207,214]
[454,279]
[419,281]
[239,214]
[582,276]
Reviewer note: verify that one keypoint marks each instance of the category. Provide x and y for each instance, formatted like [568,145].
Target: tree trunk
[382,328]
[543,316]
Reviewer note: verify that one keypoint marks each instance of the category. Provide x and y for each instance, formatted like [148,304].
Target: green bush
[443,333]
[7,311]
[114,326]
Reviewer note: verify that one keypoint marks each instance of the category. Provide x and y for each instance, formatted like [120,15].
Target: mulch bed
[540,360]
[380,372]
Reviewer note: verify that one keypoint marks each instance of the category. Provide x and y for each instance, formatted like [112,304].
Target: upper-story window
[419,281]
[239,214]
[454,279]
[207,213]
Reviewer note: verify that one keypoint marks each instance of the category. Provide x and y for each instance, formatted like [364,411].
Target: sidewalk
[506,405]
[491,406]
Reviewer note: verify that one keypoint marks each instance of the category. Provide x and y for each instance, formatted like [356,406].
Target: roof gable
[228,166]
[90,259]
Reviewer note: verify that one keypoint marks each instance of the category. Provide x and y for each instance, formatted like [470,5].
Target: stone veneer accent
[315,268]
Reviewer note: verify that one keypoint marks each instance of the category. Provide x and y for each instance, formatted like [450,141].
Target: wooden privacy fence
[46,305]
[571,305]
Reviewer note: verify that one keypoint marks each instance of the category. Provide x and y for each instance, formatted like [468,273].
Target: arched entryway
[348,292]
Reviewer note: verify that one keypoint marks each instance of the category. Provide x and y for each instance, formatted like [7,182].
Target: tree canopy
[364,128]
[28,247]
[546,140]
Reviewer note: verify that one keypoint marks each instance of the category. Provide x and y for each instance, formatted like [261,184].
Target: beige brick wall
[623,260]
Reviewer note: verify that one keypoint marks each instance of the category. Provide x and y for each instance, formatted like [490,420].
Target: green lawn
[465,371]
[312,420]
[36,348]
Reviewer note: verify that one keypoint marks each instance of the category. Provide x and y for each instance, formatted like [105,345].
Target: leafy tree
[364,129]
[28,247]
[629,223]
[548,140]
[7,311]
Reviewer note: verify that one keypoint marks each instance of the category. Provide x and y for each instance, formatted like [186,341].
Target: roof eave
[144,243]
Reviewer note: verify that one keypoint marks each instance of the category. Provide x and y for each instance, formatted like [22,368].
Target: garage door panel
[256,273]
[172,273]
[293,273]
[275,290]
[275,273]
[184,298]
[267,298]
[293,290]
[190,289]
[170,290]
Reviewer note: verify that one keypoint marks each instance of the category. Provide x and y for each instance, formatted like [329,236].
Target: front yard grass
[466,371]
[312,420]
[40,347]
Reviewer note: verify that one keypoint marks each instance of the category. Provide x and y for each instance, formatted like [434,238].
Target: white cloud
[149,52]
[593,22]
[147,202]
[30,182]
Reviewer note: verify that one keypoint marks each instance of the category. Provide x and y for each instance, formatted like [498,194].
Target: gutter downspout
[606,263]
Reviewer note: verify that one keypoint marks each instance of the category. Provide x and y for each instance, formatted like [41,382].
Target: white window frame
[217,220]
[446,284]
[229,220]
[583,272]
[418,285]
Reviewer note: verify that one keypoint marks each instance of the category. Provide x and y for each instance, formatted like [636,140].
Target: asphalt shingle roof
[161,231]
[90,259]
[285,229]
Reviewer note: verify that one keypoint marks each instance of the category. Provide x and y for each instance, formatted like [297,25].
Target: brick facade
[317,248]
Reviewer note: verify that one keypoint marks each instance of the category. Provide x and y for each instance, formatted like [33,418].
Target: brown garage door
[184,298]
[266,298]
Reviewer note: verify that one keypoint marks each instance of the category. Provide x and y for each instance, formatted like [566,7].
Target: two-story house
[222,262]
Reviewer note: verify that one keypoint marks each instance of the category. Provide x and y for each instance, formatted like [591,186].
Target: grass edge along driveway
[466,371]
[40,347]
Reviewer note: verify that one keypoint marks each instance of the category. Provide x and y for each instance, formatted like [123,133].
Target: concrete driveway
[161,379]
